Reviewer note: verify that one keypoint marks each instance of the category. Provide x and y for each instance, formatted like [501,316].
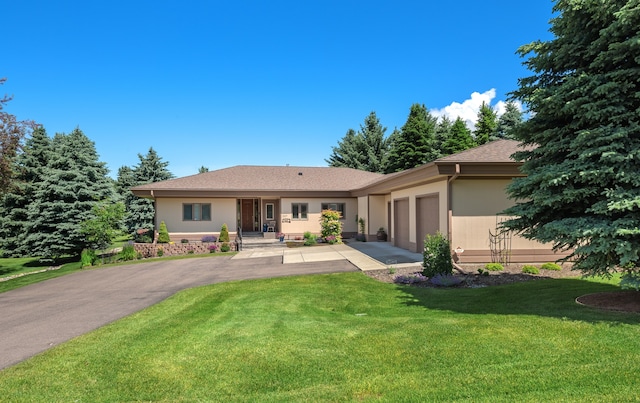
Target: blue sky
[218,83]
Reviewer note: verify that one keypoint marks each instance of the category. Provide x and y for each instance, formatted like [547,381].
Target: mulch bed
[626,301]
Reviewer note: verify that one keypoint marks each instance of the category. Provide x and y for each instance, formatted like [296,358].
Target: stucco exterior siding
[479,197]
[377,214]
[223,211]
[290,225]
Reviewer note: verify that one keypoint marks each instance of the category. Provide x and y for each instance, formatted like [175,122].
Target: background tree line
[56,197]
[422,139]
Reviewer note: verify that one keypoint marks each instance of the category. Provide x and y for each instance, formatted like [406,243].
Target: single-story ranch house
[460,195]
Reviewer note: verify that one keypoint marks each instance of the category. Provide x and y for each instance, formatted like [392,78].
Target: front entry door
[247,212]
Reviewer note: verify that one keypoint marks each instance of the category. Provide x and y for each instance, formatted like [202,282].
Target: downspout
[155,214]
[454,255]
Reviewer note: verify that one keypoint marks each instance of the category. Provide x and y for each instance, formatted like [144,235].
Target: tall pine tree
[509,121]
[486,124]
[74,182]
[141,212]
[30,171]
[415,145]
[459,138]
[582,189]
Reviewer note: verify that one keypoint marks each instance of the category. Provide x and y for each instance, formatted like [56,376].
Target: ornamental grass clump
[529,269]
[551,266]
[437,255]
[128,252]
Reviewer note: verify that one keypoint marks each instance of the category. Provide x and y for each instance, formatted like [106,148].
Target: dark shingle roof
[495,151]
[270,178]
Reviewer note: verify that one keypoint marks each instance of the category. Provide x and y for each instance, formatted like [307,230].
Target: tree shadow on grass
[549,297]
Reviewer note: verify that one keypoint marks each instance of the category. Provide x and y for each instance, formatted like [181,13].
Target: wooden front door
[246,207]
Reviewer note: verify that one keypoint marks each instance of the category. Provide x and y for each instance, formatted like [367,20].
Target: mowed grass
[346,337]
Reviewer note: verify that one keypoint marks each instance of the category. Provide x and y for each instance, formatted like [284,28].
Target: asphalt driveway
[37,317]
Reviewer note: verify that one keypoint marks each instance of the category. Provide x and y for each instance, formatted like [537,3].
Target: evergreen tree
[443,131]
[460,138]
[141,212]
[29,168]
[203,169]
[365,150]
[509,121]
[486,124]
[582,189]
[415,144]
[74,181]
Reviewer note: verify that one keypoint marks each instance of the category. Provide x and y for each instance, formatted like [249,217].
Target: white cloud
[468,109]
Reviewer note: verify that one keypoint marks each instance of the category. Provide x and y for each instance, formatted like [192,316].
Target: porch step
[259,242]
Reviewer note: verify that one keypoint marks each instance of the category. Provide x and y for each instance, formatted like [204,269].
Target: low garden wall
[176,249]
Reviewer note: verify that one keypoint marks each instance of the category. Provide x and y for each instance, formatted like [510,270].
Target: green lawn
[346,337]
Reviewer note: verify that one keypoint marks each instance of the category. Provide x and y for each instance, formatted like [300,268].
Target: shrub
[191,252]
[160,252]
[551,266]
[128,252]
[213,248]
[437,255]
[310,239]
[630,280]
[224,233]
[410,278]
[184,240]
[483,272]
[306,235]
[331,226]
[163,233]
[225,247]
[209,238]
[446,280]
[530,269]
[494,267]
[88,257]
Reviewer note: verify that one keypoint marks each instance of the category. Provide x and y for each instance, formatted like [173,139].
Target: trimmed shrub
[163,233]
[225,247]
[437,255]
[224,233]
[331,226]
[494,267]
[309,239]
[551,266]
[530,269]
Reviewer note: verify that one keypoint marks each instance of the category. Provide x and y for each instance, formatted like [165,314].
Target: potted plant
[361,236]
[381,234]
[280,236]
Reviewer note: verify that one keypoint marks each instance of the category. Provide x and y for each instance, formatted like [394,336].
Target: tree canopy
[582,189]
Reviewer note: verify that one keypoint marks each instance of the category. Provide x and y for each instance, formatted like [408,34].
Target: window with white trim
[299,211]
[270,211]
[339,207]
[196,212]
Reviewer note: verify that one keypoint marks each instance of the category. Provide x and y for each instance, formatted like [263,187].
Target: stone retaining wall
[176,249]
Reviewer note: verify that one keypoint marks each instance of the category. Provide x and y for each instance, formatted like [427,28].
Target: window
[299,211]
[196,212]
[270,211]
[335,207]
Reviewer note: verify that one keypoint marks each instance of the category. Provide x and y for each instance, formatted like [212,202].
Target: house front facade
[460,195]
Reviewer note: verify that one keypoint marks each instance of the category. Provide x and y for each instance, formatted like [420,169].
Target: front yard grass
[347,337]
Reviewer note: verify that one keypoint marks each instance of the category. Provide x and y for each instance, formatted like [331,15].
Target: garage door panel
[428,218]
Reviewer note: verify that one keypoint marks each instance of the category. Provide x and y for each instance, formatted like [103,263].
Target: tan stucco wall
[377,214]
[223,211]
[476,204]
[439,187]
[312,223]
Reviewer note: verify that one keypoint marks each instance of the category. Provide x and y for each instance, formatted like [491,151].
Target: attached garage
[401,229]
[427,218]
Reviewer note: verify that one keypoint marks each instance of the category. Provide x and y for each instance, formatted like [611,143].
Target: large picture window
[196,212]
[299,211]
[339,207]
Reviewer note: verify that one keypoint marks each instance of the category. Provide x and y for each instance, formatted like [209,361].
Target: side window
[299,211]
[335,207]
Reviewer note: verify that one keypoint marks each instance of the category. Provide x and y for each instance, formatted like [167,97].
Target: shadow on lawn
[548,297]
